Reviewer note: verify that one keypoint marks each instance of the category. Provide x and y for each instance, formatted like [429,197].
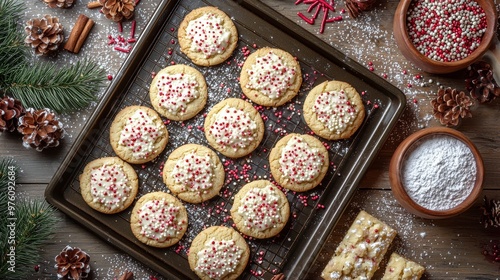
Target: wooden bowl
[407,48]
[396,178]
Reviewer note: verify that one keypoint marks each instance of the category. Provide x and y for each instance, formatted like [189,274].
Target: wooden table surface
[449,249]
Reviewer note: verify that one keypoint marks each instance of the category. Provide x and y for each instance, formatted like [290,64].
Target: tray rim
[295,268]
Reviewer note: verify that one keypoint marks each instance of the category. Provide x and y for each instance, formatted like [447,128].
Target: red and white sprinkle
[271,75]
[108,186]
[139,135]
[194,172]
[446,30]
[218,258]
[260,208]
[176,91]
[208,35]
[299,162]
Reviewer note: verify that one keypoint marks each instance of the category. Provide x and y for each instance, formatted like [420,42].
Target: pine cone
[72,263]
[491,213]
[10,111]
[60,3]
[41,129]
[116,10]
[44,34]
[355,7]
[451,105]
[480,82]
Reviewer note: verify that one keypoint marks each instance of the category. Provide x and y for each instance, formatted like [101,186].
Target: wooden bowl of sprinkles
[409,50]
[436,173]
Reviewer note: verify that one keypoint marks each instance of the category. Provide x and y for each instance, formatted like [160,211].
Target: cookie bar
[359,254]
[400,268]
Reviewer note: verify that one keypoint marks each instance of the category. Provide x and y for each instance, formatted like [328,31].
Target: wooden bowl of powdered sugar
[436,173]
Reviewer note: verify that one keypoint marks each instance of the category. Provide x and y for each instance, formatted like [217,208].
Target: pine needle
[12,48]
[34,224]
[62,89]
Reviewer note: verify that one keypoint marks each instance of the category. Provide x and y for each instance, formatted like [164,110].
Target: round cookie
[109,185]
[299,162]
[178,92]
[194,173]
[234,127]
[270,77]
[334,110]
[159,220]
[218,252]
[203,40]
[138,134]
[260,209]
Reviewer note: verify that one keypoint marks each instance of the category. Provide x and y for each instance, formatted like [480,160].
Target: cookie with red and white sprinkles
[218,252]
[108,185]
[159,220]
[138,134]
[260,209]
[178,92]
[270,77]
[299,162]
[207,36]
[334,110]
[193,173]
[234,127]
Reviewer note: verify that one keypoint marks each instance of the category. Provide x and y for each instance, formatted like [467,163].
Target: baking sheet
[314,213]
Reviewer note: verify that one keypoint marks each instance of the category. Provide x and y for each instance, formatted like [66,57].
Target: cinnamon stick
[84,35]
[94,4]
[79,34]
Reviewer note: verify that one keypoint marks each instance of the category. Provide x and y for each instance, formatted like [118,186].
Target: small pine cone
[60,3]
[356,7]
[451,105]
[72,263]
[117,10]
[10,111]
[45,35]
[480,82]
[40,128]
[491,213]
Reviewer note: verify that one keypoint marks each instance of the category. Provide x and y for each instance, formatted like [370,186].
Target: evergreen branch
[62,89]
[34,224]
[12,48]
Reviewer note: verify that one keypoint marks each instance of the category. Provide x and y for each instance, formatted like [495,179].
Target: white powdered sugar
[439,173]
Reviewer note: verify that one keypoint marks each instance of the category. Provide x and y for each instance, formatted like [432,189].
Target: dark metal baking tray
[295,248]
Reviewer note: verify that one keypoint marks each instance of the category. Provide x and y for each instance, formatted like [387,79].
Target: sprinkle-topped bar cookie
[400,268]
[359,254]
